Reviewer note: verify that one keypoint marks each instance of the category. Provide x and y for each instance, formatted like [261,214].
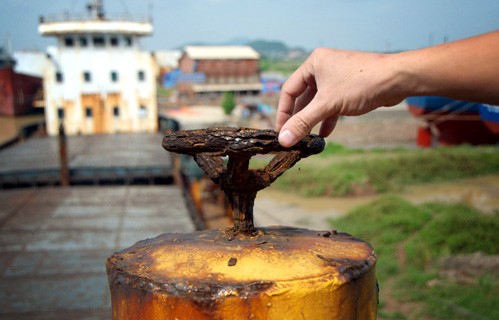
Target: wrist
[408,75]
[398,80]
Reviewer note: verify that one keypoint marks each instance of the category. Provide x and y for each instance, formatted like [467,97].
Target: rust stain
[145,123]
[92,113]
[232,262]
[112,123]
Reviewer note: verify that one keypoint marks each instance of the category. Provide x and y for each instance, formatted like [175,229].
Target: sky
[370,25]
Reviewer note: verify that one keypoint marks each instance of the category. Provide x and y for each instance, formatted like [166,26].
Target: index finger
[290,91]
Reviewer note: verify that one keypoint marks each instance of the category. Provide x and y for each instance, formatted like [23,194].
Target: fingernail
[287,138]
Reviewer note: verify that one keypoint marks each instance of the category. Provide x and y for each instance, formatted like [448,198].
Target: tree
[228,103]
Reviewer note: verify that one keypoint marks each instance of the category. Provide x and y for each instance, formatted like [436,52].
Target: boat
[98,80]
[490,116]
[451,122]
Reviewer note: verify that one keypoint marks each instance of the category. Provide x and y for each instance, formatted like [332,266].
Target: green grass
[351,171]
[455,229]
[335,149]
[384,223]
[464,302]
[426,233]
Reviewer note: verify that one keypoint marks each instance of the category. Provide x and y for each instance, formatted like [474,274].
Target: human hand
[333,83]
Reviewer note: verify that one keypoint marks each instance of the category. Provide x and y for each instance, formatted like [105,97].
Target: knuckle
[320,52]
[285,89]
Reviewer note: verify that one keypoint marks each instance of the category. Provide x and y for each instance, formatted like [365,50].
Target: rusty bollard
[244,272]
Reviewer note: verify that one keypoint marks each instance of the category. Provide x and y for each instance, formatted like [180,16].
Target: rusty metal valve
[239,183]
[270,273]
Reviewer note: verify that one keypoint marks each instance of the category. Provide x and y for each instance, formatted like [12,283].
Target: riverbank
[277,207]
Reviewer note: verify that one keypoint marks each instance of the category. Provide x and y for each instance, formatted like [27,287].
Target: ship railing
[436,118]
[75,17]
[459,113]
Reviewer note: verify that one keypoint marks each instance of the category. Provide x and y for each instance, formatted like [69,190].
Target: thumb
[300,124]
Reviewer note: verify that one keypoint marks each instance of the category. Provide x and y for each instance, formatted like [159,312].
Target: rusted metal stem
[242,212]
[241,196]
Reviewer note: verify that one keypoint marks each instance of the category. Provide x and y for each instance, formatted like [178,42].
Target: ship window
[128,41]
[83,41]
[69,41]
[99,41]
[116,111]
[60,113]
[114,41]
[88,112]
[141,75]
[114,76]
[87,77]
[142,112]
[58,77]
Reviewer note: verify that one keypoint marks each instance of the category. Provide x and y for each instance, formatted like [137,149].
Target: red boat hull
[17,92]
[453,129]
[493,126]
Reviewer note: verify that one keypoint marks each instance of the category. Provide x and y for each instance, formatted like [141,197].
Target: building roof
[221,52]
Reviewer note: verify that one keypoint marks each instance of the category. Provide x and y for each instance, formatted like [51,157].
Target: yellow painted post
[278,273]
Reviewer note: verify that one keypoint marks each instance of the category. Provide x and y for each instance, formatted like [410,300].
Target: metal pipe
[63,157]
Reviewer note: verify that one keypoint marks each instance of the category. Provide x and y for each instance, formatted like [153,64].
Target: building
[18,91]
[218,69]
[97,78]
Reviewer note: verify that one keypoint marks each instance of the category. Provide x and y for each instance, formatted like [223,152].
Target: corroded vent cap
[280,273]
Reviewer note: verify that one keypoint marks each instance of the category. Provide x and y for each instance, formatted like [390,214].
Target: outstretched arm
[332,83]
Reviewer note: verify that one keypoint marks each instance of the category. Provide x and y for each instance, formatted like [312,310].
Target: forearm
[467,69]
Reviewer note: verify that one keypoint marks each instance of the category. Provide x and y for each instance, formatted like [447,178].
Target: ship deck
[54,243]
[92,159]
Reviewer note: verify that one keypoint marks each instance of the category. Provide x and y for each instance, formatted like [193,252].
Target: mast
[96,9]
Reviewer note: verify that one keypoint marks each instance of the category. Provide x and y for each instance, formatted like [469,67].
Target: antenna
[96,9]
[125,8]
[8,45]
[150,10]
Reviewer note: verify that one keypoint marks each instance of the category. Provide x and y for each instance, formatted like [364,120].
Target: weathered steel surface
[278,273]
[90,158]
[239,183]
[54,241]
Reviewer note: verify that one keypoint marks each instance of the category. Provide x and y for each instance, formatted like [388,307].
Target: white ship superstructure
[97,79]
